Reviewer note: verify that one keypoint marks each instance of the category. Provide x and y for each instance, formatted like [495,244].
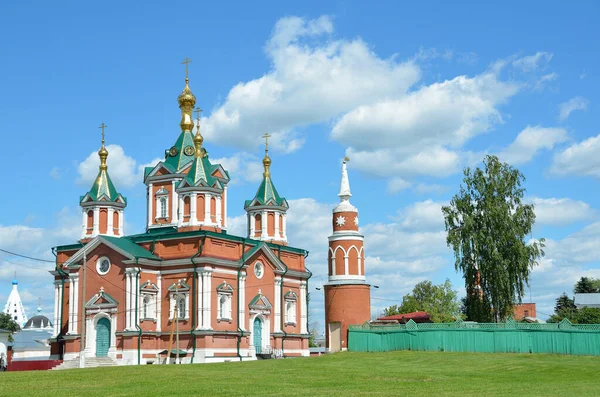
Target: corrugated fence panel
[472,337]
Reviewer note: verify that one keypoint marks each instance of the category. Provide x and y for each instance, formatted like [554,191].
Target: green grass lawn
[343,374]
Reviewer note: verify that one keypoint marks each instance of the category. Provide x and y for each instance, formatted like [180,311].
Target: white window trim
[291,314]
[151,308]
[99,261]
[162,194]
[224,309]
[173,304]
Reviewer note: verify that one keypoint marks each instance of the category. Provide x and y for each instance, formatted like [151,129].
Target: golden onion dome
[186,97]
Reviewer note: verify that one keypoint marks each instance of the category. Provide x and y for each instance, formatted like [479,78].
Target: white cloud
[561,211]
[568,107]
[579,159]
[426,188]
[55,173]
[545,79]
[121,168]
[530,141]
[310,81]
[242,166]
[422,215]
[533,62]
[396,185]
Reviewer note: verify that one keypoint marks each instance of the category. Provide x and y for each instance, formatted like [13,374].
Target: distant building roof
[590,300]
[417,317]
[38,322]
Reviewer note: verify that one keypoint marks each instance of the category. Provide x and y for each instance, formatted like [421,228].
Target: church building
[185,288]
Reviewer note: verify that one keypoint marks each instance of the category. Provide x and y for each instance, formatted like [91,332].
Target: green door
[102,337]
[258,335]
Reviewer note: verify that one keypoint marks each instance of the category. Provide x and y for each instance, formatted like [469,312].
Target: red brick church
[186,288]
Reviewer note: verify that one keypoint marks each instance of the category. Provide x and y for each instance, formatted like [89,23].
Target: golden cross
[198,111]
[103,126]
[185,62]
[346,159]
[266,136]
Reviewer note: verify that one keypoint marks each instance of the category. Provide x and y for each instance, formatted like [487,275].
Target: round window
[259,270]
[103,265]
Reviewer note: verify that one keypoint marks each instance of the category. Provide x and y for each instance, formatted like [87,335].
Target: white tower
[14,306]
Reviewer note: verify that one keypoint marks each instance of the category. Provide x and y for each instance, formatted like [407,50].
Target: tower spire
[186,100]
[267,159]
[345,194]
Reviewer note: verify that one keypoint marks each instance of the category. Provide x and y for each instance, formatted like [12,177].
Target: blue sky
[413,93]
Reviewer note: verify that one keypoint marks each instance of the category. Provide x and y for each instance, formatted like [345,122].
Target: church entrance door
[102,337]
[258,335]
[335,337]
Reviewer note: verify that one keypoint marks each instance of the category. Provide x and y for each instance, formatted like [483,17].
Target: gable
[260,302]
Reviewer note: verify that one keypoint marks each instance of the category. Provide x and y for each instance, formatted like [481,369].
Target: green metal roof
[266,194]
[130,247]
[201,171]
[103,187]
[179,159]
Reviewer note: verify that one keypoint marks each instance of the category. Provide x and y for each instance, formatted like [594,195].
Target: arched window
[163,207]
[181,307]
[146,307]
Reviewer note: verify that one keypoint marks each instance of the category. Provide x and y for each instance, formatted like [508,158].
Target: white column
[75,302]
[200,293]
[174,202]
[207,198]
[193,209]
[276,216]
[83,222]
[70,320]
[120,222]
[252,222]
[113,336]
[127,300]
[242,300]
[159,301]
[208,294]
[285,226]
[150,212]
[224,207]
[180,212]
[303,329]
[136,286]
[57,302]
[96,221]
[263,223]
[218,213]
[109,222]
[277,314]
[346,270]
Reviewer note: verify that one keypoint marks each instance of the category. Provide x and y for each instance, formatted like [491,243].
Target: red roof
[416,317]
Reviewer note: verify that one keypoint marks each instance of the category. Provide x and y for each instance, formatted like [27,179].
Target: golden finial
[346,159]
[186,100]
[103,153]
[267,159]
[198,139]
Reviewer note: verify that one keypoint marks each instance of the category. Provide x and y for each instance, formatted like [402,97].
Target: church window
[179,295]
[290,308]
[149,292]
[224,293]
[103,265]
[162,203]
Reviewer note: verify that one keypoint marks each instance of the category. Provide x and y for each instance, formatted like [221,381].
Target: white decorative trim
[99,263]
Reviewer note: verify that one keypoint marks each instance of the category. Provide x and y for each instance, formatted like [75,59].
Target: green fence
[509,337]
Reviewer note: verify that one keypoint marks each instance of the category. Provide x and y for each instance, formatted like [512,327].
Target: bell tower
[347,294]
[102,207]
[267,210]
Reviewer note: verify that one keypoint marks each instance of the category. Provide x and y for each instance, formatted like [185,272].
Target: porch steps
[90,362]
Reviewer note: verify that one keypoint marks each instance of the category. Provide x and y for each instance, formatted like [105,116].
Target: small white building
[591,300]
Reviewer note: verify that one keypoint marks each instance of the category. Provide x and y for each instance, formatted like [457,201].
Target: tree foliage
[487,225]
[440,301]
[8,324]
[587,285]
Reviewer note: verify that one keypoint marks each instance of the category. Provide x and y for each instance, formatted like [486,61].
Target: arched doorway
[258,335]
[102,337]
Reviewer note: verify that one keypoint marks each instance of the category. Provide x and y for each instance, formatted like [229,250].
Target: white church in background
[14,306]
